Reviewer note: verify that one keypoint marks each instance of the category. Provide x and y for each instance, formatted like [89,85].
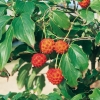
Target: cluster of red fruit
[84,3]
[47,46]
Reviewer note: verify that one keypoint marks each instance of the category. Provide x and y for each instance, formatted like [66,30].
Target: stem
[70,28]
[94,55]
[56,61]
[74,5]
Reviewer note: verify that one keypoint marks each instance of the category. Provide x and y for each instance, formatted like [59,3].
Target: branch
[74,5]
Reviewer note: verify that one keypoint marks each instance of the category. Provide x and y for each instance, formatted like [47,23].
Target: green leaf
[4,73]
[22,48]
[2,2]
[95,95]
[95,4]
[43,7]
[31,79]
[77,97]
[3,20]
[24,29]
[23,73]
[17,66]
[69,71]
[54,96]
[60,19]
[97,39]
[67,93]
[24,7]
[6,47]
[57,1]
[78,57]
[2,9]
[5,97]
[40,83]
[33,97]
[56,30]
[87,15]
[17,96]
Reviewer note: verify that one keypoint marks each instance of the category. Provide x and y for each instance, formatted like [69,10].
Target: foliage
[30,21]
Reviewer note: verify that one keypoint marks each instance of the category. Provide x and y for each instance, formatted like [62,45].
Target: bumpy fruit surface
[47,46]
[54,75]
[84,3]
[61,46]
[38,59]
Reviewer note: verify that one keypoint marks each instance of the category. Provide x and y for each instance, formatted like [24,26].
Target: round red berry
[84,3]
[38,59]
[61,46]
[47,46]
[54,75]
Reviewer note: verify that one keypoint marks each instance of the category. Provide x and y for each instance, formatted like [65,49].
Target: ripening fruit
[84,3]
[61,46]
[54,75]
[38,59]
[47,46]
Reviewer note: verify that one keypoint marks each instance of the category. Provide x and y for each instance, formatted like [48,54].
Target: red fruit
[84,3]
[55,76]
[47,46]
[38,59]
[61,46]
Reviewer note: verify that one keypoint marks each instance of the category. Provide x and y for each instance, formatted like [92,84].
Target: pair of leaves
[73,63]
[22,27]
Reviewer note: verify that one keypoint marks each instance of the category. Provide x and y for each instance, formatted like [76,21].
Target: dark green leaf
[69,70]
[56,30]
[95,95]
[33,97]
[77,97]
[43,7]
[6,47]
[61,19]
[24,29]
[66,92]
[95,4]
[87,15]
[24,7]
[23,73]
[77,57]
[22,48]
[97,39]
